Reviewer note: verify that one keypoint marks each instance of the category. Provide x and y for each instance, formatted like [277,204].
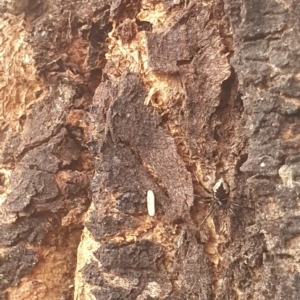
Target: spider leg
[202,202]
[199,201]
[230,210]
[247,207]
[195,195]
[207,216]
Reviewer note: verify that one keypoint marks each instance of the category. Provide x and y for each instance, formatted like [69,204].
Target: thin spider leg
[200,201]
[233,203]
[207,216]
[232,212]
[196,195]
[203,201]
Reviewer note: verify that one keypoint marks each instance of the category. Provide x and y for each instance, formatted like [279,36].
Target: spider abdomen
[220,192]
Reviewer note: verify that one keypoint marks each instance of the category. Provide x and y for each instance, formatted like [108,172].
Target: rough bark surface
[266,60]
[104,100]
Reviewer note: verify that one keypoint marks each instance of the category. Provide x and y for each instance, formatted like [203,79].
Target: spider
[220,192]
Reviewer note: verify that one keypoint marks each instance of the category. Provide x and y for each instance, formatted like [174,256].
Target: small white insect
[150,203]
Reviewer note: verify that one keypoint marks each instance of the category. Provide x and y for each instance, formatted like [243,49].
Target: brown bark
[105,100]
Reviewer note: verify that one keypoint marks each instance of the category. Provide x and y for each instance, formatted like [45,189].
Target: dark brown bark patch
[15,263]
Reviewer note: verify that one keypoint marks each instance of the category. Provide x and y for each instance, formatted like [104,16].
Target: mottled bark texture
[105,100]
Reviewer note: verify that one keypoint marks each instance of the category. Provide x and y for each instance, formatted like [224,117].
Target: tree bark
[103,101]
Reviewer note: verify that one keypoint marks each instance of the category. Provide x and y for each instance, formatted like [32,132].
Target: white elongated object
[150,203]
